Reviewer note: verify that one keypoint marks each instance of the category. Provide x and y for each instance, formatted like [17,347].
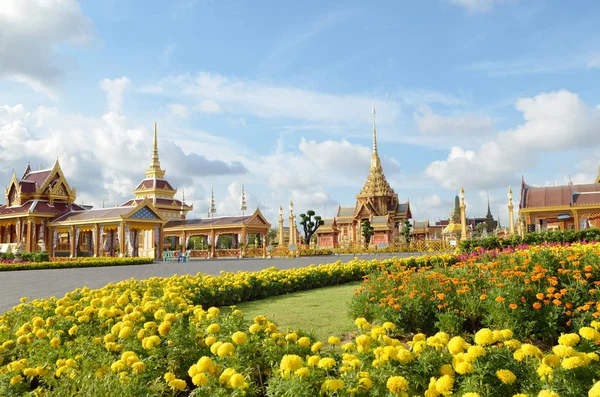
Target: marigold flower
[332,384]
[506,376]
[397,384]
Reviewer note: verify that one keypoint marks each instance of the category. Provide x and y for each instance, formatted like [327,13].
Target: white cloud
[274,101]
[179,110]
[114,90]
[29,33]
[476,6]
[209,106]
[553,121]
[468,124]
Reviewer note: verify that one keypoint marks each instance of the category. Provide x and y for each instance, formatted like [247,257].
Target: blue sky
[277,96]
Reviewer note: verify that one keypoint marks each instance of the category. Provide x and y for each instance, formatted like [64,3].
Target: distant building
[376,202]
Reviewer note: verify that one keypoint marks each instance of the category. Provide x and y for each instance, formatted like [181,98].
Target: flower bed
[538,293]
[154,342]
[63,263]
[89,341]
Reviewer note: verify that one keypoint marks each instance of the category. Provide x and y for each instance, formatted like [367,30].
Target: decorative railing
[228,253]
[199,254]
[253,252]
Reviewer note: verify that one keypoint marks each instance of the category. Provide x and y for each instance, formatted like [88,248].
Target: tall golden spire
[375,161]
[376,184]
[154,171]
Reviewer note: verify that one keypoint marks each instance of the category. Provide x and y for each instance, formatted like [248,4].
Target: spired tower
[376,202]
[377,196]
[156,188]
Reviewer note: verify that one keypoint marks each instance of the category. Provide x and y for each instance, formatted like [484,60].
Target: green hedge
[83,262]
[548,236]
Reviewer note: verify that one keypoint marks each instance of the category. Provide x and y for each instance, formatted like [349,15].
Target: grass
[322,311]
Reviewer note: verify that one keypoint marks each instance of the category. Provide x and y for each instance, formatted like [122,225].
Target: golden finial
[243,204]
[374,130]
[291,207]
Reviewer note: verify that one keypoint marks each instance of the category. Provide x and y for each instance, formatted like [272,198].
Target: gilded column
[576,219]
[511,214]
[291,232]
[30,235]
[212,245]
[72,241]
[463,216]
[97,240]
[280,226]
[160,242]
[122,252]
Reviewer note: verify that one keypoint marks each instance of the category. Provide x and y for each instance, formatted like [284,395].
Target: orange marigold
[499,299]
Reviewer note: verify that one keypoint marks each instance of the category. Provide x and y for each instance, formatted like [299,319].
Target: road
[57,282]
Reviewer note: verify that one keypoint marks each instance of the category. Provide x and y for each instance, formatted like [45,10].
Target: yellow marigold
[552,360]
[177,384]
[593,356]
[312,361]
[363,342]
[200,379]
[73,330]
[572,362]
[362,323]
[225,350]
[513,344]
[125,332]
[531,350]
[464,368]
[41,333]
[506,376]
[118,366]
[405,356]
[213,312]
[389,326]
[475,351]
[471,394]
[447,369]
[316,347]
[334,341]
[595,390]
[563,351]
[444,384]
[568,339]
[302,372]
[326,363]
[544,370]
[397,384]
[484,337]
[589,333]
[239,337]
[164,328]
[365,383]
[457,345]
[290,363]
[303,342]
[205,364]
[255,328]
[237,381]
[55,342]
[332,384]
[138,367]
[15,380]
[291,337]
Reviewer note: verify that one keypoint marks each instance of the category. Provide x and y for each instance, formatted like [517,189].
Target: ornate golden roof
[376,184]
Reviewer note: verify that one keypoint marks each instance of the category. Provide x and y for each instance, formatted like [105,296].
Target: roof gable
[144,213]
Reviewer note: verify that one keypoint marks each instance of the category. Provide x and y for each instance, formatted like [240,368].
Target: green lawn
[322,311]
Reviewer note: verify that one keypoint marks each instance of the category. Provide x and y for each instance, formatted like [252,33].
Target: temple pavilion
[376,202]
[40,214]
[571,206]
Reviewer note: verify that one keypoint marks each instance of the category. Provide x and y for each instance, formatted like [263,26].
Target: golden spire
[375,162]
[154,171]
[376,184]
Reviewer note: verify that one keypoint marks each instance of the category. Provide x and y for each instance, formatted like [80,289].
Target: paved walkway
[57,282]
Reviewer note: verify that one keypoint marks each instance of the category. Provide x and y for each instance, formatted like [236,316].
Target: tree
[406,230]
[310,226]
[456,215]
[272,235]
[479,229]
[367,232]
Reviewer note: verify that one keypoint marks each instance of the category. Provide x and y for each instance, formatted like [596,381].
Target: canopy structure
[239,227]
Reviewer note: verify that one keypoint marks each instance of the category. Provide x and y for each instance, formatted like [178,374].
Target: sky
[277,96]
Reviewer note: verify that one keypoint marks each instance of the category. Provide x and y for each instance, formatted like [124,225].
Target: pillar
[213,251]
[463,216]
[51,244]
[30,235]
[160,241]
[511,214]
[72,239]
[264,245]
[576,219]
[97,240]
[122,240]
[280,226]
